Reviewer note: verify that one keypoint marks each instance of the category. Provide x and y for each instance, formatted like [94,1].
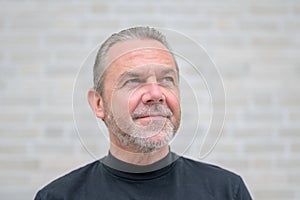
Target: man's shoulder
[70,181]
[217,181]
[202,169]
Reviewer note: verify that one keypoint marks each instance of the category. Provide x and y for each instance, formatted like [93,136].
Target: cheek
[173,101]
[124,103]
[134,99]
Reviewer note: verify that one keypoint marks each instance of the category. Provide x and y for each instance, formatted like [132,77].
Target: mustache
[152,110]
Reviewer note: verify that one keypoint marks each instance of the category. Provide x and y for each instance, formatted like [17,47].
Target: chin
[153,143]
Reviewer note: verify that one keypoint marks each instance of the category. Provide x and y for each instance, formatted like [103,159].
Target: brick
[253,132]
[263,100]
[294,178]
[288,164]
[293,25]
[221,10]
[14,117]
[29,57]
[2,57]
[275,194]
[63,164]
[225,24]
[54,132]
[290,100]
[54,149]
[31,24]
[32,87]
[67,69]
[269,115]
[289,132]
[93,149]
[295,148]
[12,194]
[231,115]
[234,164]
[2,85]
[276,57]
[8,71]
[78,9]
[136,9]
[18,133]
[18,164]
[98,7]
[74,58]
[229,148]
[19,41]
[264,148]
[263,163]
[269,42]
[13,101]
[234,70]
[2,24]
[258,25]
[65,23]
[272,179]
[275,71]
[99,24]
[53,116]
[9,180]
[294,115]
[228,41]
[186,8]
[296,9]
[269,10]
[10,149]
[70,39]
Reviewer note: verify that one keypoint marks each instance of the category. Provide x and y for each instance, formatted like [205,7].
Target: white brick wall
[255,44]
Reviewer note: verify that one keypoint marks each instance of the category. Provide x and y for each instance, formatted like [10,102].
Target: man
[136,94]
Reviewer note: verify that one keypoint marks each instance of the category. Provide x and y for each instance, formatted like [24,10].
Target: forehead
[134,53]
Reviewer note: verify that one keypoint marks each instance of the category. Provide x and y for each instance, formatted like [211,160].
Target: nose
[153,94]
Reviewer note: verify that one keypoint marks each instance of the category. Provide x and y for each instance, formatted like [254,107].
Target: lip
[152,117]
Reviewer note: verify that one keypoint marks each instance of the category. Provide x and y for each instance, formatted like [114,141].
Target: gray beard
[132,135]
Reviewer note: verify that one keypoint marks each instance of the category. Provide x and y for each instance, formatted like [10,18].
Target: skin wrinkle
[126,59]
[135,138]
[143,116]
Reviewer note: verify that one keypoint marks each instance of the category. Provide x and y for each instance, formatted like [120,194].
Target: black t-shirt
[180,179]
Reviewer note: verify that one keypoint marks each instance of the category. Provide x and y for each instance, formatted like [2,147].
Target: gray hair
[124,35]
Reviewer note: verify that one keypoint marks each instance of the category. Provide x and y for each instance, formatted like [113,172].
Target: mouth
[151,117]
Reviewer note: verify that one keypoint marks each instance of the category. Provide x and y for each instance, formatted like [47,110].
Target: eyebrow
[131,74]
[169,71]
[127,75]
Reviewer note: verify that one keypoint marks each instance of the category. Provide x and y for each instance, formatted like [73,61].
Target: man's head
[136,89]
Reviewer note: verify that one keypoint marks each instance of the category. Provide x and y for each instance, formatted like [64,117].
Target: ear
[96,103]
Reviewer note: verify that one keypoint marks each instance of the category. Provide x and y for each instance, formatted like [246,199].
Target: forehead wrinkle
[155,56]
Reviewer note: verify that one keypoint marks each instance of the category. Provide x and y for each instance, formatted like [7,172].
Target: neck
[138,158]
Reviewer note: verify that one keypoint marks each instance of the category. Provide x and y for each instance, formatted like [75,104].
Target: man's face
[141,94]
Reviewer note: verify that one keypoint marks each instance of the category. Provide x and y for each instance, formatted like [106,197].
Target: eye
[133,81]
[168,79]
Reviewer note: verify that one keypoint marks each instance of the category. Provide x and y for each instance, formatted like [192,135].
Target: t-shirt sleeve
[38,196]
[42,195]
[242,192]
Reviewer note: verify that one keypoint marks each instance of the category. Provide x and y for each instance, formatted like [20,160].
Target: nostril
[153,94]
[149,99]
[155,101]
